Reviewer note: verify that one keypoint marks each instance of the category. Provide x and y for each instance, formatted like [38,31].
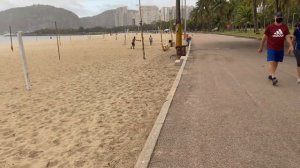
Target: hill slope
[37,17]
[105,19]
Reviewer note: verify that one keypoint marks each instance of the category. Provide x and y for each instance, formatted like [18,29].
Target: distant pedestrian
[275,35]
[150,40]
[188,39]
[296,41]
[133,43]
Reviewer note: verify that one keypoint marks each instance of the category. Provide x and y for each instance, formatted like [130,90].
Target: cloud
[5,4]
[87,7]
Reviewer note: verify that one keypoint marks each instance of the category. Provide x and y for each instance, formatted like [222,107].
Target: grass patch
[248,34]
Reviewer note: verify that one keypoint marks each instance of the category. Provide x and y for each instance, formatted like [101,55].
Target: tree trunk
[255,16]
[264,14]
[288,16]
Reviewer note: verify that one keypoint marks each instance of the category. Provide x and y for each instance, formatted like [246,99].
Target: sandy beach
[92,109]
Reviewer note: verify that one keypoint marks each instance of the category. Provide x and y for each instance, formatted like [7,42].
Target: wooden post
[58,49]
[171,28]
[125,37]
[142,33]
[161,30]
[11,43]
[24,61]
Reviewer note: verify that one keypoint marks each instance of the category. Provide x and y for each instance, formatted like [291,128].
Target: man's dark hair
[278,14]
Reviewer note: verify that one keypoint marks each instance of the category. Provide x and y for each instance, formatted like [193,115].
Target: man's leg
[272,68]
[297,54]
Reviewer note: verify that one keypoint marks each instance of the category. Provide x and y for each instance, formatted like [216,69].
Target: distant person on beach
[133,43]
[150,40]
[296,41]
[275,35]
[188,40]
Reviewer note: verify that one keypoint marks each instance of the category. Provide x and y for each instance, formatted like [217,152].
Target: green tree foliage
[212,15]
[154,27]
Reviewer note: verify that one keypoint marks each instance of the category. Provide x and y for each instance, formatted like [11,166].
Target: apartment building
[150,14]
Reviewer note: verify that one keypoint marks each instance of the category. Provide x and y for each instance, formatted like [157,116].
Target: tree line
[209,15]
[155,27]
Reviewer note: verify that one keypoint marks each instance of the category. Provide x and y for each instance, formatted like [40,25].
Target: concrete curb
[145,156]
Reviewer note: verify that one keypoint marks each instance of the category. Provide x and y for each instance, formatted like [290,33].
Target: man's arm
[289,40]
[294,40]
[262,43]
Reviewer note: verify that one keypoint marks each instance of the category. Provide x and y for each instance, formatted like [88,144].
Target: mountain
[37,17]
[105,19]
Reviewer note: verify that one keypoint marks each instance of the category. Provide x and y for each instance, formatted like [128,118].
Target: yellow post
[179,35]
[179,48]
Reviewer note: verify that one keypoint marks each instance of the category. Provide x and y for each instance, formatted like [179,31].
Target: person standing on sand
[151,40]
[296,41]
[133,43]
[275,35]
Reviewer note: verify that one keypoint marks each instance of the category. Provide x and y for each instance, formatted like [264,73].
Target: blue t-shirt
[297,35]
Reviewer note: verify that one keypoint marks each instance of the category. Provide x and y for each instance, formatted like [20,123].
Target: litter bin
[181,51]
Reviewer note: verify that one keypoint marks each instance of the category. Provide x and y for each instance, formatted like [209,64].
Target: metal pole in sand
[11,43]
[142,33]
[24,61]
[57,41]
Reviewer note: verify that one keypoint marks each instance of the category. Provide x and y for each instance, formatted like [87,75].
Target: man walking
[296,41]
[150,40]
[275,35]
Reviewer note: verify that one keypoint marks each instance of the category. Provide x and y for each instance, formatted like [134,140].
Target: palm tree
[244,16]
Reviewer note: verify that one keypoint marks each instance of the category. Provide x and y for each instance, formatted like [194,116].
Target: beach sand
[92,109]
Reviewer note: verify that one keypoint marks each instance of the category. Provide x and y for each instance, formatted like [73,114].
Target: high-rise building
[133,18]
[189,10]
[169,13]
[165,13]
[125,17]
[120,16]
[150,14]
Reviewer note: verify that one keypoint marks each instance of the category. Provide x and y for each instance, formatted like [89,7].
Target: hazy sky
[88,7]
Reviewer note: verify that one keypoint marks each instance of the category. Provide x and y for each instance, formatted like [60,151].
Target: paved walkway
[226,114]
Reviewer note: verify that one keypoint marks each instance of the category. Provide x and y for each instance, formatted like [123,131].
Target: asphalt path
[226,114]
